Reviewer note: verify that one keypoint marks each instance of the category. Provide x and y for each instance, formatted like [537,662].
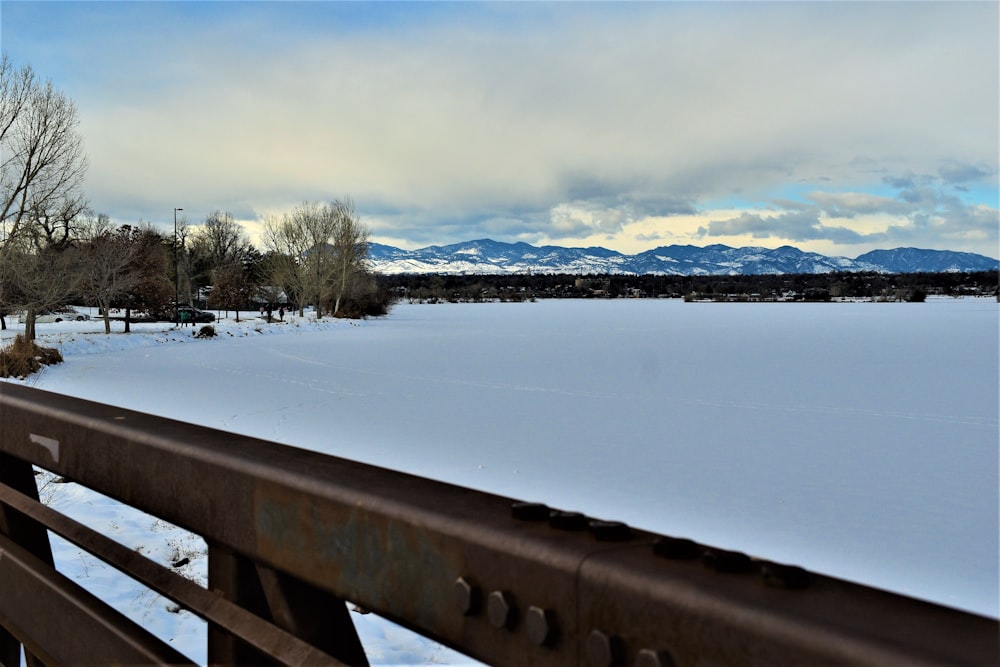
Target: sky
[835,127]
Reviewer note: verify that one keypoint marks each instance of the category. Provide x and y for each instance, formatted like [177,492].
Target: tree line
[787,287]
[54,249]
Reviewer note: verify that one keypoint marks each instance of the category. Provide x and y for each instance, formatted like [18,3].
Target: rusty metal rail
[292,534]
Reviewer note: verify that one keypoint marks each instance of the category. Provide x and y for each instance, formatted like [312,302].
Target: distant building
[595,285]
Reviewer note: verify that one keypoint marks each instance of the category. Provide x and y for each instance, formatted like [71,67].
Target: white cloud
[553,120]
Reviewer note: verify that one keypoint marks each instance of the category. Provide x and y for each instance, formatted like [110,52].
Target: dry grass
[24,357]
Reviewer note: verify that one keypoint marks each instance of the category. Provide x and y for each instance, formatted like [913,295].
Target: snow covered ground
[856,439]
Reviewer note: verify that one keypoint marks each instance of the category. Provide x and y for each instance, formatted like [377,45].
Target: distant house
[596,286]
[270,295]
[838,289]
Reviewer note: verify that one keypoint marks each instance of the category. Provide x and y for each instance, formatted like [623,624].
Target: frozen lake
[859,440]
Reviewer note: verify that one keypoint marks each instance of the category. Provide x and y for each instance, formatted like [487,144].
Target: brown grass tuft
[24,357]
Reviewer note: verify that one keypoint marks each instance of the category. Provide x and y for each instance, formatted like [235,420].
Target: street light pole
[177,274]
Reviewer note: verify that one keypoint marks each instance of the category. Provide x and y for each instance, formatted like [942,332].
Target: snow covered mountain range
[486,256]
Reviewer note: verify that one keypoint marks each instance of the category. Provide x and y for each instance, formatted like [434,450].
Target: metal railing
[292,534]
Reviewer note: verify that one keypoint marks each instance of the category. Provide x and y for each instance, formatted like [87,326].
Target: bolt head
[604,651]
[650,658]
[721,560]
[676,548]
[541,626]
[529,512]
[499,609]
[567,520]
[610,531]
[791,577]
[468,596]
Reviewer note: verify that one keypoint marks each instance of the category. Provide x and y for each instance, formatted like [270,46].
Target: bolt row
[607,651]
[602,531]
[502,612]
[603,649]
[776,575]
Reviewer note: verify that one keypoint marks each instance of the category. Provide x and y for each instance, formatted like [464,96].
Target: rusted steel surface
[695,615]
[27,533]
[62,624]
[304,611]
[18,475]
[506,582]
[267,639]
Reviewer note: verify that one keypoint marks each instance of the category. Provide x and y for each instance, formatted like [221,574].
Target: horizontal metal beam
[261,635]
[63,624]
[507,583]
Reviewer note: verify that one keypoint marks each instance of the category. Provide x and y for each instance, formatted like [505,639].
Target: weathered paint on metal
[88,631]
[241,624]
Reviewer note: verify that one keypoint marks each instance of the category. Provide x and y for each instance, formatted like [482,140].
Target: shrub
[24,357]
[373,301]
[207,331]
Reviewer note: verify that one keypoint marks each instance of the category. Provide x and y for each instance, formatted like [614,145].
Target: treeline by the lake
[784,287]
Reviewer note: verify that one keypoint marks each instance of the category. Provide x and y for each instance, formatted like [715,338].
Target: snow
[859,440]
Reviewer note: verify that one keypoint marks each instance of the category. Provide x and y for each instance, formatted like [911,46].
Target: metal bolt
[500,609]
[727,561]
[650,658]
[468,596]
[610,531]
[676,548]
[529,511]
[784,576]
[567,520]
[541,626]
[604,651]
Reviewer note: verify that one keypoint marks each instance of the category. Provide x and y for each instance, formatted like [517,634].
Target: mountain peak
[486,256]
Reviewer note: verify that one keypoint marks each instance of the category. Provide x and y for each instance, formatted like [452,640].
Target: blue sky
[834,127]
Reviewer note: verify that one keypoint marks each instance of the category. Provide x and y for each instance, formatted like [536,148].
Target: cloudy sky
[834,127]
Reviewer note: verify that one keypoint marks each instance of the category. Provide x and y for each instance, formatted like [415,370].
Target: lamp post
[177,274]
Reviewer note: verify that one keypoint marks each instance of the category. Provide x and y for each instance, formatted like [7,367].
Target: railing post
[315,616]
[234,577]
[10,649]
[28,533]
[20,476]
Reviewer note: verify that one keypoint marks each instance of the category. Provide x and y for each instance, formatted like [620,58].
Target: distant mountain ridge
[486,256]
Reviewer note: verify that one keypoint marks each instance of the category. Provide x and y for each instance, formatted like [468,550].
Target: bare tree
[287,244]
[281,268]
[5,289]
[153,290]
[220,239]
[317,251]
[109,268]
[42,165]
[316,227]
[42,162]
[40,279]
[220,249]
[231,288]
[350,251]
[183,264]
[124,268]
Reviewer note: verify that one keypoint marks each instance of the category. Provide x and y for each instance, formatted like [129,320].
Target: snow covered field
[859,440]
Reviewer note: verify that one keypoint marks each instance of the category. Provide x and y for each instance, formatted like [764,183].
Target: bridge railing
[292,534]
